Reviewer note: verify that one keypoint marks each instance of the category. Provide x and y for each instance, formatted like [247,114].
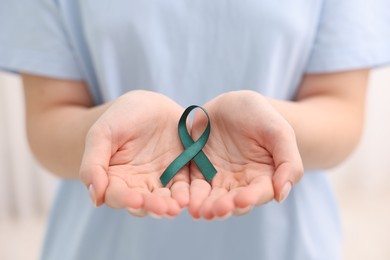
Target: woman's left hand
[254,151]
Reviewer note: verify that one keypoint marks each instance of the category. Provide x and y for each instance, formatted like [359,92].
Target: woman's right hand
[126,151]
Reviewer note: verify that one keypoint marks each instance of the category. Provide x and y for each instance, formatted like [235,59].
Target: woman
[105,85]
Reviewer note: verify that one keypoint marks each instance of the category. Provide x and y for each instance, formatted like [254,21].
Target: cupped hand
[254,151]
[126,151]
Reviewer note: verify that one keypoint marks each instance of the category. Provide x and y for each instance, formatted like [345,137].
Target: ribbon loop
[193,150]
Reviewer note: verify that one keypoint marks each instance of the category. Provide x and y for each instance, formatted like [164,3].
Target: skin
[258,145]
[250,144]
[126,153]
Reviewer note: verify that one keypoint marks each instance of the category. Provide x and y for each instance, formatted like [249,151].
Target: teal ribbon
[193,150]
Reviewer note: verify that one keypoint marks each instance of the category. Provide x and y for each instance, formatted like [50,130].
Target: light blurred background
[362,183]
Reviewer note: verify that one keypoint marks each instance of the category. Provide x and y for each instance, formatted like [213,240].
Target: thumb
[95,162]
[288,166]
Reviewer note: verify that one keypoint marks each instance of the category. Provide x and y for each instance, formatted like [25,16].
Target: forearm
[327,128]
[57,136]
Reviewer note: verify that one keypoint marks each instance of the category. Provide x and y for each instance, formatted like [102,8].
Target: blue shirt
[191,51]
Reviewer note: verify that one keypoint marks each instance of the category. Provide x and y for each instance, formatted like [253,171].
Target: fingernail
[137,212]
[155,215]
[224,217]
[285,191]
[92,194]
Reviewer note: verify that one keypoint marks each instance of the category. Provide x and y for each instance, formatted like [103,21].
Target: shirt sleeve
[351,34]
[33,40]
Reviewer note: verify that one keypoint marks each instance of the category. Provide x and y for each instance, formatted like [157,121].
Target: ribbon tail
[205,166]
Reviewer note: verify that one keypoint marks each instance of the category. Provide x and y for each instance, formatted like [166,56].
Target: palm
[142,144]
[239,146]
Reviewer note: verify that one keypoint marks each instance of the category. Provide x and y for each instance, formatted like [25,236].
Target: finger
[207,208]
[94,165]
[180,191]
[173,208]
[199,191]
[224,205]
[180,188]
[159,202]
[258,192]
[119,195]
[288,165]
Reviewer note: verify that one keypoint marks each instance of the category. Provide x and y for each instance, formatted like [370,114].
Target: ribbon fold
[193,150]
